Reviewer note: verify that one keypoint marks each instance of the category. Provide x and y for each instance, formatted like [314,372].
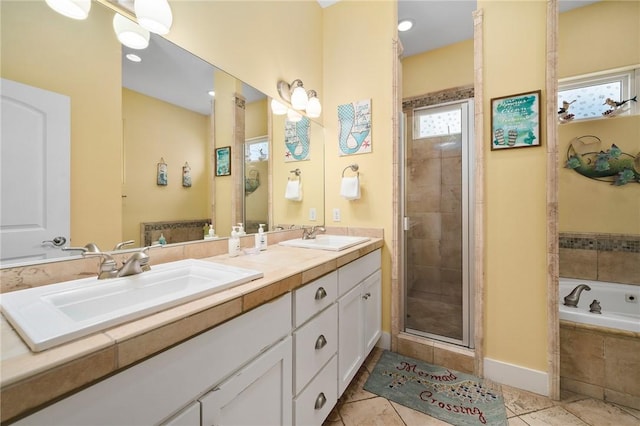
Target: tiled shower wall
[600,257]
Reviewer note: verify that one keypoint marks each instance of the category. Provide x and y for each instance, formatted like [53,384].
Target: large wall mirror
[124,133]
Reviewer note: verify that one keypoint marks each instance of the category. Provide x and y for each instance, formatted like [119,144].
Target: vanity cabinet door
[258,394]
[350,337]
[190,416]
[372,310]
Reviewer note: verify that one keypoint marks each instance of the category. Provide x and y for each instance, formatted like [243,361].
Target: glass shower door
[437,228]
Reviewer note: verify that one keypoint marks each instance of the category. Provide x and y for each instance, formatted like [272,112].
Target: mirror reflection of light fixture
[405,25]
[278,108]
[75,9]
[293,116]
[154,15]
[314,109]
[129,33]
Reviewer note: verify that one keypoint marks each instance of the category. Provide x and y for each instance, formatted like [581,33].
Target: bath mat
[451,396]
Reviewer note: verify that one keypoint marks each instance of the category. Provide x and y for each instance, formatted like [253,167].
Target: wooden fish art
[612,165]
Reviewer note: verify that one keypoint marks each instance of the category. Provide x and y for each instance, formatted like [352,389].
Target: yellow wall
[256,119]
[515,192]
[78,71]
[358,58]
[259,42]
[439,69]
[154,129]
[587,205]
[597,37]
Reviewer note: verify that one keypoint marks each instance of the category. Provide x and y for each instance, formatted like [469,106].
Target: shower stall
[438,221]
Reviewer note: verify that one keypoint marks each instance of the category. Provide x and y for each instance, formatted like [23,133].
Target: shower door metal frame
[468,203]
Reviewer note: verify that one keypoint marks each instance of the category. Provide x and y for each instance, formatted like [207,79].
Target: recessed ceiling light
[212,93]
[405,25]
[133,57]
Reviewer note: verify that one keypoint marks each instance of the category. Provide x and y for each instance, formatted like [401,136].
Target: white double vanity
[285,362]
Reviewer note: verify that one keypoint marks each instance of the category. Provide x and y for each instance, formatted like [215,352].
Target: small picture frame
[223,161]
[186,175]
[162,173]
[515,121]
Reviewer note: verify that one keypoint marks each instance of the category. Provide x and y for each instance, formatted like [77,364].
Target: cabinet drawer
[352,273]
[314,297]
[313,405]
[190,416]
[315,343]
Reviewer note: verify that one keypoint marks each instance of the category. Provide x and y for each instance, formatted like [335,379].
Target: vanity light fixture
[405,25]
[129,33]
[298,98]
[278,108]
[314,109]
[154,15]
[74,9]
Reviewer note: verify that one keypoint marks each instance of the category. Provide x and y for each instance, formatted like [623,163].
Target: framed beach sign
[515,121]
[223,161]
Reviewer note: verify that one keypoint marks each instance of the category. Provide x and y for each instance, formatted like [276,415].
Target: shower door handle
[405,223]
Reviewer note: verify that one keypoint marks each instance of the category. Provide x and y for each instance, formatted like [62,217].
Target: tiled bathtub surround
[600,257]
[601,363]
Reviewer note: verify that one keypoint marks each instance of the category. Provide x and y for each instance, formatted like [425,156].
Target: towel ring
[354,168]
[296,172]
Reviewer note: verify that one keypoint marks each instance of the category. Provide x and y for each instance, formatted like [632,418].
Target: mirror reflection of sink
[326,242]
[50,315]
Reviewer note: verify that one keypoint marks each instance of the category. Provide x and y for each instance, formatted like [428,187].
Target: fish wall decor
[586,156]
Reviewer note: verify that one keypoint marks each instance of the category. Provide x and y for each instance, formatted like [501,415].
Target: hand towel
[294,190]
[350,187]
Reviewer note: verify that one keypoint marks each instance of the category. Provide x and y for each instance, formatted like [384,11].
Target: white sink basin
[50,315]
[326,242]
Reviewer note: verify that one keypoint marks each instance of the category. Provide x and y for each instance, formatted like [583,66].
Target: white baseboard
[385,341]
[517,376]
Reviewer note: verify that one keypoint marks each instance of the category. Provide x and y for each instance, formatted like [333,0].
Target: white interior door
[35,148]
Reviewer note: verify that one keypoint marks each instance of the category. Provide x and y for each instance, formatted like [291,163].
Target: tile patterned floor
[359,407]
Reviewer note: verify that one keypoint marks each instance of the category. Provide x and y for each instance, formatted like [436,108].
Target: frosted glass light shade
[129,33]
[299,98]
[75,9]
[154,15]
[314,108]
[293,116]
[277,108]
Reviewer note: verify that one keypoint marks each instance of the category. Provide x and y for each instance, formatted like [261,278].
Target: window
[587,94]
[429,123]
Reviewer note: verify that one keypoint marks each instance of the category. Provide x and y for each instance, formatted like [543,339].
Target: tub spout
[573,297]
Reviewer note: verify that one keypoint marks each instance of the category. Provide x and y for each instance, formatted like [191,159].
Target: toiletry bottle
[162,240]
[212,232]
[261,238]
[234,243]
[241,230]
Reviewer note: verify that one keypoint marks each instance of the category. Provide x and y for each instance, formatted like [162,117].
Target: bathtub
[620,304]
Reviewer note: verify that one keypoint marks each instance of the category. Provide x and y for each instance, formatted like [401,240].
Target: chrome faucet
[122,244]
[572,298]
[137,263]
[310,233]
[89,247]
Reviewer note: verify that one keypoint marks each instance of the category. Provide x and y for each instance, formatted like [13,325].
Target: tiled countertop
[31,380]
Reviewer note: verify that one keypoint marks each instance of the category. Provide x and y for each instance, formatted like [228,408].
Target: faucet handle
[122,244]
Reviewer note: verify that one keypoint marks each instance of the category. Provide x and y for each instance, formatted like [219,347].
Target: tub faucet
[573,297]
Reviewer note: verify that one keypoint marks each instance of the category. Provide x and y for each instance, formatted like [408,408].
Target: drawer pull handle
[321,293]
[366,296]
[320,401]
[321,342]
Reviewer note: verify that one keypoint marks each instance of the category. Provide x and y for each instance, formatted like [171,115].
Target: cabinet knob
[321,293]
[320,401]
[321,342]
[366,296]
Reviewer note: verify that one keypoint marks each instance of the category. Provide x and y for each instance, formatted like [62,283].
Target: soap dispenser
[234,243]
[261,238]
[241,230]
[212,231]
[162,240]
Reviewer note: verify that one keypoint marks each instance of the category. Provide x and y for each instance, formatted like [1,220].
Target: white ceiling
[173,75]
